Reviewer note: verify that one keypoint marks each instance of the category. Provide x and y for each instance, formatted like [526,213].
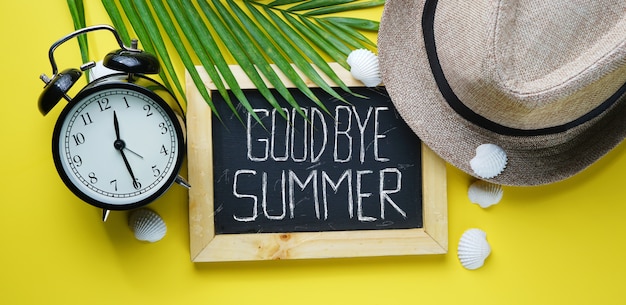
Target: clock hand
[116,125]
[120,146]
[130,170]
[134,153]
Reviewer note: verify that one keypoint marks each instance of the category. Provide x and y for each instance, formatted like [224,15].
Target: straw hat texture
[543,80]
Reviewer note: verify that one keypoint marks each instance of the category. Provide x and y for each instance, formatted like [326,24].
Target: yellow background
[562,243]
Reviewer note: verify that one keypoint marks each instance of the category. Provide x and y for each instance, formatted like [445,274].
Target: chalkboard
[351,172]
[354,167]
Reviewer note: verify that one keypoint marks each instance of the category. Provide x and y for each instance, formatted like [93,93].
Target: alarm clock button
[56,89]
[132,62]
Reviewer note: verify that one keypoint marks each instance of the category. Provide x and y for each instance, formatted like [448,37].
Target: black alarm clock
[119,142]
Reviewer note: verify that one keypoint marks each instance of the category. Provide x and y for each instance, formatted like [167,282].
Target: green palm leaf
[343,33]
[317,4]
[223,26]
[117,20]
[332,50]
[283,2]
[292,51]
[354,23]
[345,8]
[77,10]
[255,33]
[149,36]
[265,43]
[209,63]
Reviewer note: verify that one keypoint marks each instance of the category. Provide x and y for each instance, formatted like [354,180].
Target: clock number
[86,118]
[156,171]
[92,178]
[79,138]
[136,184]
[114,183]
[148,110]
[164,150]
[126,101]
[78,161]
[163,128]
[104,104]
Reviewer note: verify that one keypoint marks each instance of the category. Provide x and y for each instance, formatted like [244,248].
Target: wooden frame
[206,246]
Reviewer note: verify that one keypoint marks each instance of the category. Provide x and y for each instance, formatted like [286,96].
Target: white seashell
[484,193]
[147,225]
[473,249]
[490,161]
[364,67]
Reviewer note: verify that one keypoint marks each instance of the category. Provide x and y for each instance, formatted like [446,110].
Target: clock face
[119,147]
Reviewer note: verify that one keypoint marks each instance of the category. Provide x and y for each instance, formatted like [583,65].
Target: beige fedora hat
[543,80]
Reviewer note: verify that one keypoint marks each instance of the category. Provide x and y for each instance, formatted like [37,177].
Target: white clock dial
[118,148]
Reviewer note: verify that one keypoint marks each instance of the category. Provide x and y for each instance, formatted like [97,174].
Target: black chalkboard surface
[355,167]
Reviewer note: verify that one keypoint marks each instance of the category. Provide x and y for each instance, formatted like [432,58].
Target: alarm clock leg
[105,214]
[180,180]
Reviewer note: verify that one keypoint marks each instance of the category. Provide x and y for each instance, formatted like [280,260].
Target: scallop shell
[147,225]
[473,249]
[364,67]
[490,161]
[484,193]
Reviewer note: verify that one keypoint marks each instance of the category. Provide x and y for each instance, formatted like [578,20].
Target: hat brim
[408,78]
